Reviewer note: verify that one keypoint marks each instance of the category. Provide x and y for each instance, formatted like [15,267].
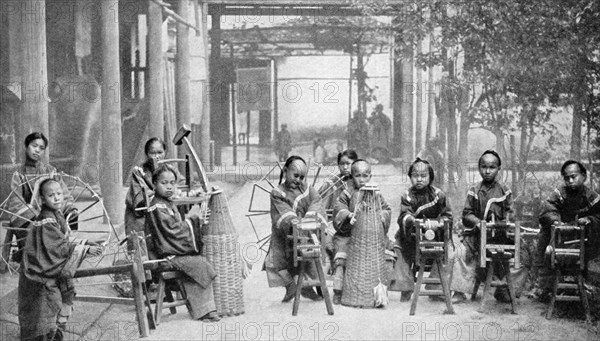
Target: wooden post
[216,89]
[111,181]
[15,41]
[34,69]
[419,111]
[137,280]
[248,136]
[513,166]
[430,105]
[182,71]
[348,137]
[406,99]
[233,121]
[205,136]
[274,97]
[155,70]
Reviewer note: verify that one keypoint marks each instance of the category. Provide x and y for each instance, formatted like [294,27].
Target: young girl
[155,150]
[291,201]
[24,183]
[173,236]
[50,258]
[485,201]
[420,201]
[347,204]
[330,191]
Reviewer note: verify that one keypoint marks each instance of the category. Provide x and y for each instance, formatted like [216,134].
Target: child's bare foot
[459,297]
[211,317]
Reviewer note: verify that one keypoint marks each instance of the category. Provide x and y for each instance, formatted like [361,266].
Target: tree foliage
[522,59]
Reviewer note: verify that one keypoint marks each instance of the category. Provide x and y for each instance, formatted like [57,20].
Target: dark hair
[163,169]
[491,152]
[150,142]
[350,153]
[425,162]
[44,183]
[34,136]
[357,161]
[288,162]
[582,169]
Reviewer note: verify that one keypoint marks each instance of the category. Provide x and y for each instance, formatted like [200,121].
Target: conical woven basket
[221,249]
[366,255]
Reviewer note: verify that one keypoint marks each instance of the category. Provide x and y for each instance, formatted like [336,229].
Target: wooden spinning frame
[265,185]
[90,208]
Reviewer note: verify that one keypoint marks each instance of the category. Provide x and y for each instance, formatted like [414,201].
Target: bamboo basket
[365,266]
[221,249]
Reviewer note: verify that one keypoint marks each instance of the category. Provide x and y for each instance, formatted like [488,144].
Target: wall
[301,105]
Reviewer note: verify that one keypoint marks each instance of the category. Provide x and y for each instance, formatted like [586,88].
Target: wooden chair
[432,244]
[566,253]
[499,248]
[169,281]
[307,251]
[168,278]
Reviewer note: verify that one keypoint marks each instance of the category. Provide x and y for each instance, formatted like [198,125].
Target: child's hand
[95,250]
[584,221]
[352,217]
[409,222]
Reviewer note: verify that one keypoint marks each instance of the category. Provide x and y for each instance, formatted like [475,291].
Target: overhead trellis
[301,40]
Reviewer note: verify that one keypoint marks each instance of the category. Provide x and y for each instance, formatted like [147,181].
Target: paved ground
[266,318]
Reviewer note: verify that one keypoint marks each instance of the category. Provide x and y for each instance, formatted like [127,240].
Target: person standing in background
[283,143]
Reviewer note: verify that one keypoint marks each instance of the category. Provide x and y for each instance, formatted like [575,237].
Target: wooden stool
[432,238]
[307,250]
[499,248]
[567,259]
[165,293]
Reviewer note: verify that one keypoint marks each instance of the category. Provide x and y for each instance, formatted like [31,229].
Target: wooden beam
[419,99]
[182,71]
[155,65]
[35,71]
[271,11]
[405,94]
[205,136]
[111,181]
[175,16]
[104,299]
[123,268]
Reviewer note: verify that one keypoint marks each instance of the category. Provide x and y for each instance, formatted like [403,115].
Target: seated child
[50,258]
[329,192]
[291,201]
[485,201]
[421,201]
[489,200]
[180,241]
[345,218]
[571,203]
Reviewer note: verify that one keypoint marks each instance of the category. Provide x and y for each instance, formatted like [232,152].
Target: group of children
[173,233]
[44,214]
[488,201]
[43,217]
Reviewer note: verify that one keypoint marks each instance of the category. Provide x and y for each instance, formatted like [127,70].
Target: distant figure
[358,133]
[339,147]
[283,143]
[379,128]
[434,155]
[320,153]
